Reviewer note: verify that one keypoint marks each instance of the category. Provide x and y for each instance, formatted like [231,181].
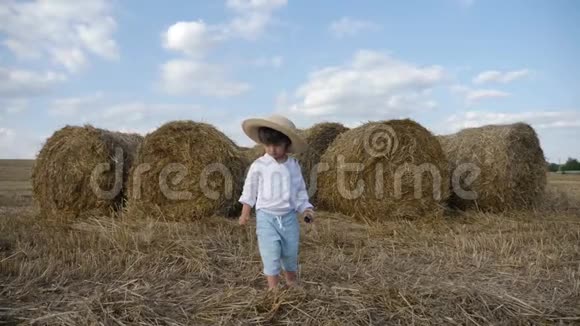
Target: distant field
[566,183]
[557,177]
[15,186]
[517,268]
[15,170]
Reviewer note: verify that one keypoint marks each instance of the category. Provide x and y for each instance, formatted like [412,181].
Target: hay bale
[251,154]
[61,176]
[183,173]
[390,169]
[318,137]
[511,164]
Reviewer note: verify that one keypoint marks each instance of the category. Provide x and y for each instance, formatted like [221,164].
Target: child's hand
[309,216]
[244,219]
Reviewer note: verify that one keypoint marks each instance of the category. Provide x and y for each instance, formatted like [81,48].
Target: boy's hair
[269,136]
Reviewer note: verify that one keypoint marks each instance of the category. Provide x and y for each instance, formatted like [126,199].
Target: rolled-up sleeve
[302,200]
[250,191]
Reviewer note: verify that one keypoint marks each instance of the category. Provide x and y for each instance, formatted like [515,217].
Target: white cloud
[373,85]
[23,83]
[96,36]
[63,30]
[180,77]
[72,106]
[472,96]
[252,16]
[194,38]
[73,59]
[539,119]
[255,5]
[249,26]
[494,76]
[482,94]
[347,26]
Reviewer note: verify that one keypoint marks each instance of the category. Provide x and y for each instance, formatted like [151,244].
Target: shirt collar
[272,159]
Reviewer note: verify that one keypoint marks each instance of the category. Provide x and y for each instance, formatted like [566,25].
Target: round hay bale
[383,170]
[186,170]
[70,159]
[511,164]
[251,154]
[318,137]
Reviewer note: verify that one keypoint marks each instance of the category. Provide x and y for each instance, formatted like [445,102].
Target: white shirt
[276,188]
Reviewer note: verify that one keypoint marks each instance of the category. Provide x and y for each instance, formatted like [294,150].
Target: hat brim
[251,126]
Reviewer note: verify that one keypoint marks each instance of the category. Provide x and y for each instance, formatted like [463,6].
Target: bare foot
[290,279]
[272,281]
[293,285]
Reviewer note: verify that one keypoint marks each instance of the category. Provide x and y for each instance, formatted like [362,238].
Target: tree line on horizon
[572,164]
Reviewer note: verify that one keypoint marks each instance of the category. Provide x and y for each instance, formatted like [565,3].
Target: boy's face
[276,151]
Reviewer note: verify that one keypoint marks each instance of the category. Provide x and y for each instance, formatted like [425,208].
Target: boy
[275,185]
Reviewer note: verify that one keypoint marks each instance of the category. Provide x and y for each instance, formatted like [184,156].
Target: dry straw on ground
[511,164]
[318,137]
[186,170]
[399,166]
[480,269]
[68,161]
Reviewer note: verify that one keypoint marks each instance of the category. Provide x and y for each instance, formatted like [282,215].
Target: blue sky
[134,65]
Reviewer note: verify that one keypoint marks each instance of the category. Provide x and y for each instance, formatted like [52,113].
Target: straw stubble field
[472,268]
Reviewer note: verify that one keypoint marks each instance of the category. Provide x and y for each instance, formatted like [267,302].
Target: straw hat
[279,123]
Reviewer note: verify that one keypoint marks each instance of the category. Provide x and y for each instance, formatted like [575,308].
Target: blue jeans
[278,241]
